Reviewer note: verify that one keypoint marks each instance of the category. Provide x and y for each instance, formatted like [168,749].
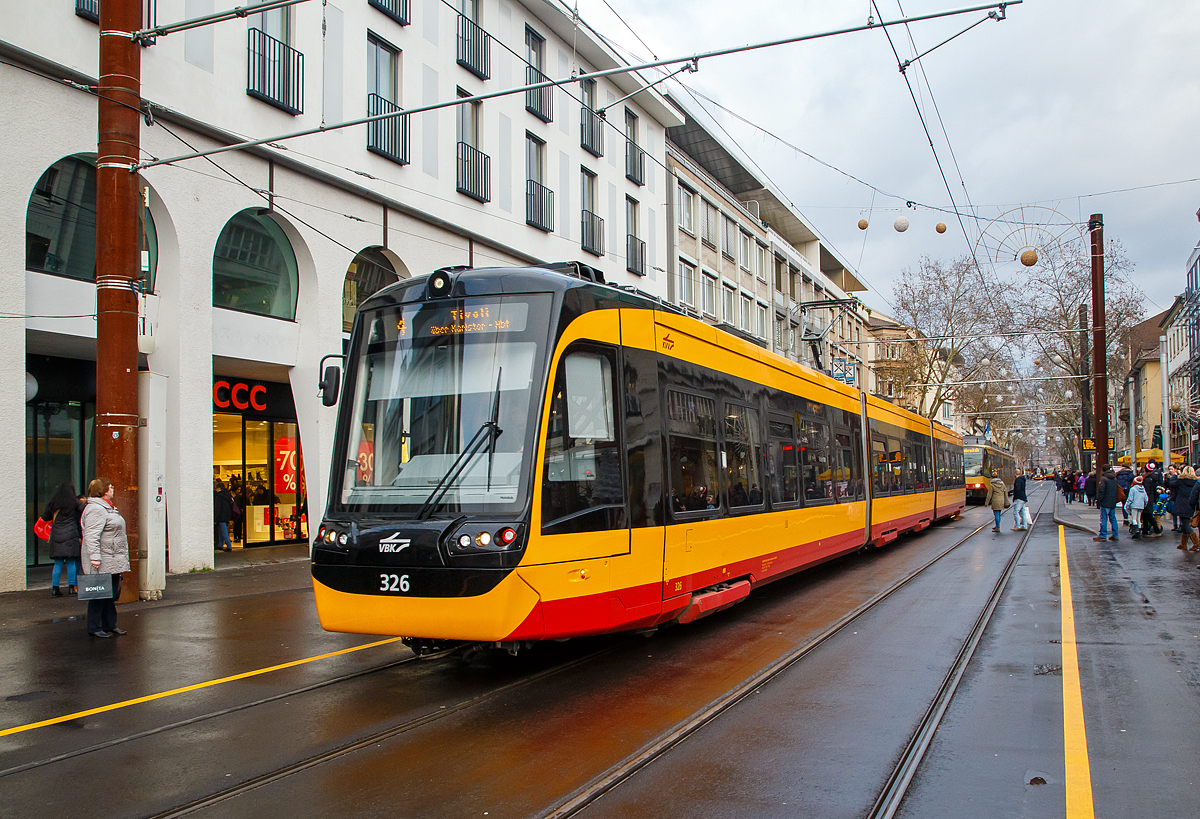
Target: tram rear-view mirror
[330,385]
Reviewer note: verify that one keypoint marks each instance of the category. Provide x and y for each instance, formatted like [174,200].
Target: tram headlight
[331,537]
[483,539]
[343,539]
[439,284]
[464,541]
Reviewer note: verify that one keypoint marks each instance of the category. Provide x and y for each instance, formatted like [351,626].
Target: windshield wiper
[495,420]
[488,432]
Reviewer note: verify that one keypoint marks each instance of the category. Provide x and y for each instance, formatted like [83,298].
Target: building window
[274,70]
[60,224]
[687,283]
[744,252]
[538,101]
[635,157]
[592,227]
[539,200]
[474,46]
[635,253]
[591,125]
[946,412]
[254,267]
[729,245]
[387,137]
[729,305]
[370,272]
[745,317]
[474,168]
[710,295]
[708,225]
[687,204]
[761,268]
[761,331]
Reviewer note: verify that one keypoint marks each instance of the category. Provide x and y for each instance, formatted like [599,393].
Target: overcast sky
[1062,101]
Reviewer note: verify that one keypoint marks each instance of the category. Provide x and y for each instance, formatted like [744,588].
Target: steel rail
[622,771]
[901,777]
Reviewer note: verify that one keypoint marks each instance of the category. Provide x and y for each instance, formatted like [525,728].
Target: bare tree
[953,307]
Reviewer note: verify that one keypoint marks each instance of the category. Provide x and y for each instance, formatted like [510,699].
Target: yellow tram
[526,454]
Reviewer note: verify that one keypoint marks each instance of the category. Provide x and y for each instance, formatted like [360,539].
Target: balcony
[88,10]
[635,255]
[635,163]
[539,206]
[275,72]
[592,231]
[396,9]
[474,173]
[474,48]
[539,101]
[387,137]
[591,132]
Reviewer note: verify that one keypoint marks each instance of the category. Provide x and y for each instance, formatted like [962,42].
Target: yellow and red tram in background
[526,454]
[981,458]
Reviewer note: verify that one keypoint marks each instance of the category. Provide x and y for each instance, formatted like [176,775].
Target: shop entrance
[260,462]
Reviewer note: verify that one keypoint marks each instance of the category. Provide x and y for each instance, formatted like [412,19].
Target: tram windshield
[428,381]
[972,461]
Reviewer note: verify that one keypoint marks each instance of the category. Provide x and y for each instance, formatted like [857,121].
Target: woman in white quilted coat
[105,551]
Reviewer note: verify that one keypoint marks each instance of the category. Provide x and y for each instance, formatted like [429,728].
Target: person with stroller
[1136,502]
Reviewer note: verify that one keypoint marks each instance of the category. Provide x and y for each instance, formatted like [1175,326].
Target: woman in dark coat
[222,515]
[1089,488]
[1185,499]
[64,509]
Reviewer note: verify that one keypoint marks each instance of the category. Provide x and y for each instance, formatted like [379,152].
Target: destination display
[471,317]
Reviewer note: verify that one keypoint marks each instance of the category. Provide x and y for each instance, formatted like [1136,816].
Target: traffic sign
[1089,444]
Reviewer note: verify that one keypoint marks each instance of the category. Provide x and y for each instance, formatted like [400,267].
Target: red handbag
[42,529]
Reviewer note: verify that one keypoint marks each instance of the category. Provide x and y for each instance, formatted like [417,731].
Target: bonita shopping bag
[95,586]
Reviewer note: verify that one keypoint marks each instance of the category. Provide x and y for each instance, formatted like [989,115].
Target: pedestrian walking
[1135,501]
[997,497]
[1089,488]
[1185,507]
[1153,481]
[1020,503]
[222,515]
[1125,477]
[1172,486]
[105,551]
[65,533]
[1106,499]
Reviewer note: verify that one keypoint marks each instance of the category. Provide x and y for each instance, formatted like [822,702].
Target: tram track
[898,781]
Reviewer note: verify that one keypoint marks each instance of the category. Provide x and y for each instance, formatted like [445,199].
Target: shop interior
[261,464]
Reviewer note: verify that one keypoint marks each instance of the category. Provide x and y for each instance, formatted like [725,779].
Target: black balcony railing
[396,9]
[635,255]
[387,137]
[539,101]
[88,10]
[591,132]
[474,48]
[275,72]
[592,233]
[474,173]
[539,206]
[635,163]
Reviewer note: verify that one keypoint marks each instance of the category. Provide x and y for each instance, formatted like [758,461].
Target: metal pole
[1166,401]
[1085,395]
[1133,441]
[118,264]
[1099,344]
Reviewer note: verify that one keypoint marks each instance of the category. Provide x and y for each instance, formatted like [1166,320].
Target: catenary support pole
[118,262]
[1133,438]
[1099,345]
[1085,390]
[1165,419]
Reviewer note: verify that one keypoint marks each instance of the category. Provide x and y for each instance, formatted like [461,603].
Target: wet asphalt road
[508,737]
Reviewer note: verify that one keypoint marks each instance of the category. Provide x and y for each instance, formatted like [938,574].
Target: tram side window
[692,429]
[814,461]
[843,467]
[856,465]
[582,486]
[895,451]
[881,466]
[742,457]
[783,475]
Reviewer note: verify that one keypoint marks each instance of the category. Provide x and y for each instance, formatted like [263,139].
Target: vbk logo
[668,342]
[394,543]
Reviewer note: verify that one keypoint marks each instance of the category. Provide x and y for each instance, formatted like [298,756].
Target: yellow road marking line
[1078,770]
[151,697]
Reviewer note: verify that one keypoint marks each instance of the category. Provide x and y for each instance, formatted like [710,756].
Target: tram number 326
[393,582]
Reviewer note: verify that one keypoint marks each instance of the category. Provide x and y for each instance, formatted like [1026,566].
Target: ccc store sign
[239,395]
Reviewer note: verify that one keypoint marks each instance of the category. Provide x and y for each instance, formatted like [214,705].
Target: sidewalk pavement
[1087,519]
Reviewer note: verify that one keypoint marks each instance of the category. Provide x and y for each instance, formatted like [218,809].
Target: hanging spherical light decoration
[862,224]
[901,224]
[985,362]
[1029,257]
[1068,394]
[940,227]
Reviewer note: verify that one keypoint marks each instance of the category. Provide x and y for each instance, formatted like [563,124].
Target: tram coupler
[426,648]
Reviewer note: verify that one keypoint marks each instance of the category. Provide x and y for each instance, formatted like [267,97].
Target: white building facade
[254,262]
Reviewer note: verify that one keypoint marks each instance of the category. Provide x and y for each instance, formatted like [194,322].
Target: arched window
[254,267]
[60,224]
[370,272]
